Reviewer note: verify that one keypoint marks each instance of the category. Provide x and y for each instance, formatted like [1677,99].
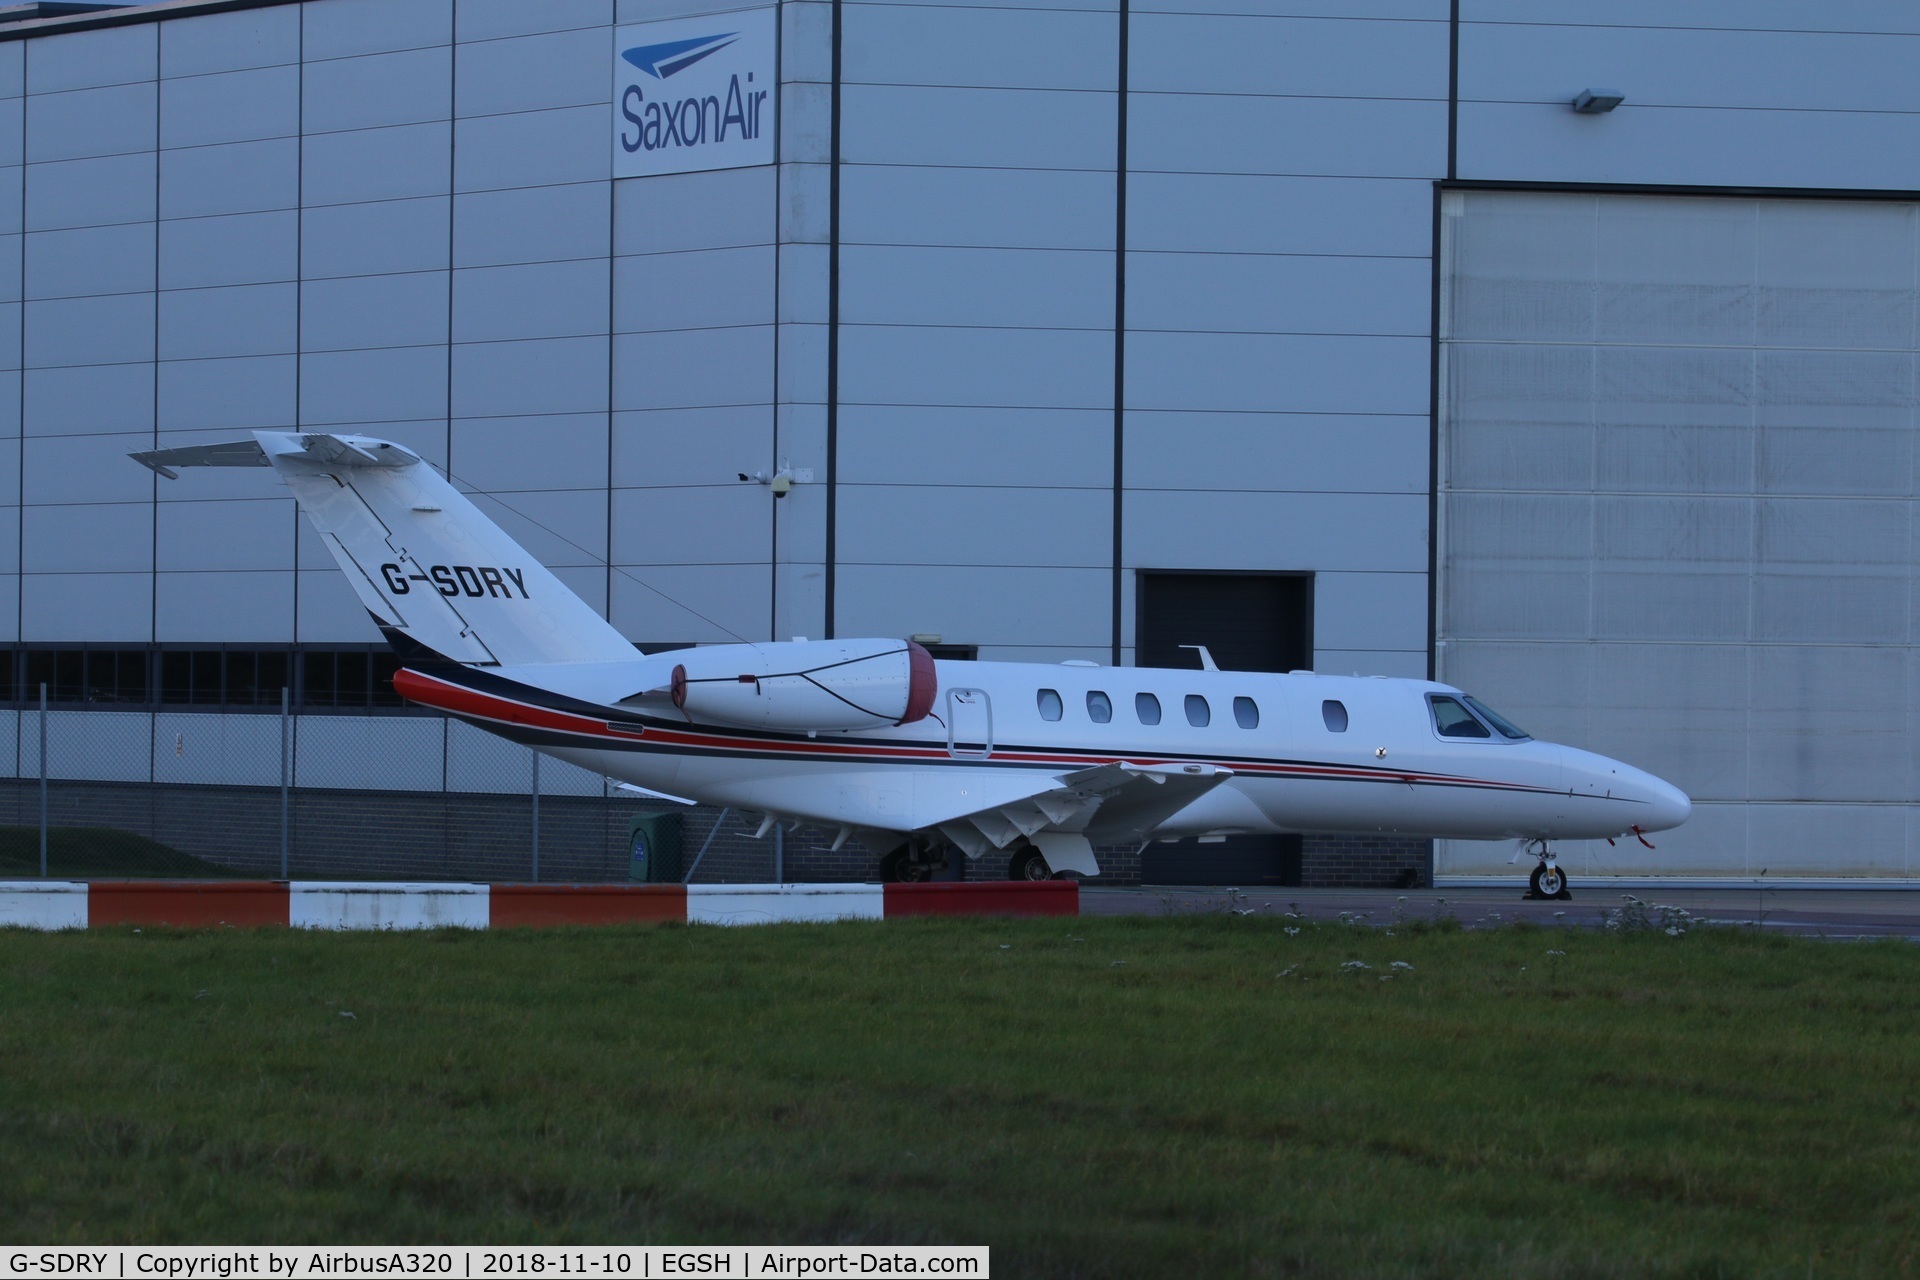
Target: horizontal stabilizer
[228,453]
[315,446]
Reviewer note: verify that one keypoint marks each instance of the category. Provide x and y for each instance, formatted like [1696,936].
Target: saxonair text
[186,1262]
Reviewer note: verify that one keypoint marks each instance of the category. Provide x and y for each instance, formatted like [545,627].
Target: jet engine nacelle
[805,685]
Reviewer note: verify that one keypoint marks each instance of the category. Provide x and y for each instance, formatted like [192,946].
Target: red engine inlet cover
[679,686]
[923,684]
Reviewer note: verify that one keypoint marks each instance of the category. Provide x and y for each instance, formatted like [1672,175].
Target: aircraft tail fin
[436,574]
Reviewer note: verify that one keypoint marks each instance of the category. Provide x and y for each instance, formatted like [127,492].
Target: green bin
[653,848]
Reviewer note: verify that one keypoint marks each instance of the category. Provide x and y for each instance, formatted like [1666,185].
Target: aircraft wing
[1061,813]
[1064,814]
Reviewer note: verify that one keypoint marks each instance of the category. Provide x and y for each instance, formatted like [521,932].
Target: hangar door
[1248,622]
[1676,512]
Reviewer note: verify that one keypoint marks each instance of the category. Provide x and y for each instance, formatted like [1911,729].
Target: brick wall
[1365,862]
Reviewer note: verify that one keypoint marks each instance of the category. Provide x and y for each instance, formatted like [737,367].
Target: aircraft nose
[1668,805]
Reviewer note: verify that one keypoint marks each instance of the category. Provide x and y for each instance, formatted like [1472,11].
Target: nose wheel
[1548,881]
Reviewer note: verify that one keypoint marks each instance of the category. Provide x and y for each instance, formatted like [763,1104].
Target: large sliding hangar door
[1676,506]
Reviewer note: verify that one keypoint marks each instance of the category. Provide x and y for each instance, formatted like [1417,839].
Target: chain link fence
[312,796]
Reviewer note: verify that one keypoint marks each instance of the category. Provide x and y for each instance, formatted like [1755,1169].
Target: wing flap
[1066,814]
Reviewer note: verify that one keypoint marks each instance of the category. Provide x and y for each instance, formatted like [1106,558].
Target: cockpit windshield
[1505,727]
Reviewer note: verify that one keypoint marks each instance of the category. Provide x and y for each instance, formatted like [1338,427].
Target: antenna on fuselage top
[1206,659]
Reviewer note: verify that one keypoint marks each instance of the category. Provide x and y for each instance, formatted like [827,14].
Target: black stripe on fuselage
[755,744]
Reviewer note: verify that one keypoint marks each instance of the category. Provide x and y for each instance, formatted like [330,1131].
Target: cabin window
[1505,727]
[1454,720]
[1099,707]
[1050,704]
[1199,714]
[1246,713]
[1147,707]
[1334,714]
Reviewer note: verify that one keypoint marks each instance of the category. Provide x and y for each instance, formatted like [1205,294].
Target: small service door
[969,724]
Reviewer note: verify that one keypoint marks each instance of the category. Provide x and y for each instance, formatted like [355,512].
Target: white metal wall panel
[346,28]
[988,128]
[90,122]
[112,537]
[492,19]
[980,48]
[235,177]
[1677,521]
[232,106]
[374,311]
[673,212]
[225,395]
[531,73]
[545,375]
[693,368]
[90,193]
[1013,368]
[83,60]
[693,289]
[198,606]
[111,329]
[248,248]
[411,87]
[977,287]
[110,607]
[376,164]
[533,148]
[547,451]
[359,388]
[1280,452]
[207,43]
[225,534]
[886,444]
[1781,94]
[375,238]
[1008,208]
[532,300]
[530,224]
[995,607]
[708,602]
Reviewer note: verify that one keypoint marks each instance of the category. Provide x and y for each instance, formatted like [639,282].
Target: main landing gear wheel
[1029,864]
[1548,881]
[900,867]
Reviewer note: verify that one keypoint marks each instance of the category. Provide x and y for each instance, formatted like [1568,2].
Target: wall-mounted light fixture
[1597,102]
[781,481]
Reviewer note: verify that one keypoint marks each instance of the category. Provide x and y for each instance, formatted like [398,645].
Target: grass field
[1092,1097]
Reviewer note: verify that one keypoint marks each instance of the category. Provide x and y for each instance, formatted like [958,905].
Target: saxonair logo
[694,93]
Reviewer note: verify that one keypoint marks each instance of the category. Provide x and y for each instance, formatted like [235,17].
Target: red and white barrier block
[243,904]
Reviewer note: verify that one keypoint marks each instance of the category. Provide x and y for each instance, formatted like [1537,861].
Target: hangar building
[1326,333]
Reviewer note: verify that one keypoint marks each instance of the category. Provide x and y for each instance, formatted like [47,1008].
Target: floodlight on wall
[1597,102]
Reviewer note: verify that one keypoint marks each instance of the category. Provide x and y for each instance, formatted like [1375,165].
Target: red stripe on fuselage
[445,695]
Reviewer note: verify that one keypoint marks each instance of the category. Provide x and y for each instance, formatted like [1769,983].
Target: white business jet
[875,740]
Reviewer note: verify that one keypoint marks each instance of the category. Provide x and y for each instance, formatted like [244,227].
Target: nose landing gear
[1548,881]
